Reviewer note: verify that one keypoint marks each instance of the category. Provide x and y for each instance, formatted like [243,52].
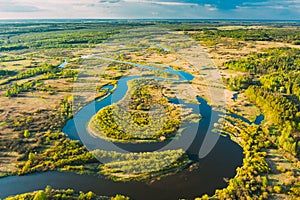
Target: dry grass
[283,172]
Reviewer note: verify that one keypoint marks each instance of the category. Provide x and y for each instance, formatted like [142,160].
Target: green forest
[275,91]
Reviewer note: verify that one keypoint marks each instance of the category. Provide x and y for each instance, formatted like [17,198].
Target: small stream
[258,120]
[62,65]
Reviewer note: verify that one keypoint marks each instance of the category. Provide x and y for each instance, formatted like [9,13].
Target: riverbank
[49,193]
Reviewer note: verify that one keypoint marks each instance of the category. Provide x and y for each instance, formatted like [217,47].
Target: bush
[297,42]
[120,197]
[277,189]
[26,134]
[41,195]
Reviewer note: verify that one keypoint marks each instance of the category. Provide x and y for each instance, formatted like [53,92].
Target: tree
[277,189]
[26,134]
[31,156]
[48,189]
[8,93]
[40,195]
[119,197]
[90,195]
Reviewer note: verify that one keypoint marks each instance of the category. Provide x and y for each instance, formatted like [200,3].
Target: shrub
[277,189]
[26,134]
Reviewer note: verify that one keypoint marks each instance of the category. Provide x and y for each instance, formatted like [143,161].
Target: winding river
[220,163]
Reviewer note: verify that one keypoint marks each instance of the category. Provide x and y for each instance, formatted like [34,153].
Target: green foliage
[122,67]
[31,156]
[44,68]
[12,47]
[9,58]
[62,153]
[6,73]
[273,34]
[52,194]
[66,110]
[280,111]
[48,189]
[62,73]
[295,190]
[119,197]
[115,122]
[41,195]
[124,167]
[297,42]
[22,121]
[277,93]
[238,82]
[276,107]
[158,49]
[45,36]
[49,72]
[88,196]
[26,134]
[249,181]
[287,83]
[277,189]
[272,60]
[16,88]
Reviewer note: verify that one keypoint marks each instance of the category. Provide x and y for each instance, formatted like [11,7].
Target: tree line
[271,60]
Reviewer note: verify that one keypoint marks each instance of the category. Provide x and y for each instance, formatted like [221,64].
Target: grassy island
[141,166]
[144,115]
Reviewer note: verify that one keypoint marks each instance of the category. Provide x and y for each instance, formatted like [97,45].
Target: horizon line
[156,19]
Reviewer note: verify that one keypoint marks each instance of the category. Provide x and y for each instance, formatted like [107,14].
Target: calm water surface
[220,163]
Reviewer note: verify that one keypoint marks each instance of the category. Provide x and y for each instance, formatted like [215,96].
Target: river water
[220,163]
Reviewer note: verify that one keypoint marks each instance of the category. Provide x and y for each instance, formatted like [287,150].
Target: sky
[162,9]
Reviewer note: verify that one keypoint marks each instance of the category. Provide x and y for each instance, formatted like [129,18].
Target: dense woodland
[291,35]
[272,60]
[26,36]
[275,91]
[213,36]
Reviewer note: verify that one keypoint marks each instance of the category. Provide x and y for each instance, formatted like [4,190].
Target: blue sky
[211,9]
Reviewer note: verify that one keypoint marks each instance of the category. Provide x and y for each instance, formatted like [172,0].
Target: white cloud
[145,9]
[167,3]
[274,4]
[174,3]
[15,6]
[210,7]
